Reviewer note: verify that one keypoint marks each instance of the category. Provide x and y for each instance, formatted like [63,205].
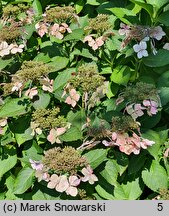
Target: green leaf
[164,92]
[4,63]
[136,162]
[7,164]
[79,6]
[82,52]
[42,102]
[121,75]
[163,80]
[96,157]
[77,34]
[37,7]
[157,4]
[147,7]
[21,128]
[57,63]
[62,78]
[164,18]
[104,193]
[24,180]
[93,2]
[158,60]
[155,148]
[121,12]
[155,178]
[77,119]
[110,172]
[129,191]
[14,107]
[72,134]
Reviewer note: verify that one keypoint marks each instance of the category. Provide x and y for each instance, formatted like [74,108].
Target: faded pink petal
[37,165]
[146,103]
[54,180]
[31,92]
[63,184]
[72,191]
[114,136]
[166,153]
[52,136]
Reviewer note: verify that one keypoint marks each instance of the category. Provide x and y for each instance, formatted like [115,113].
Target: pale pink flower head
[157,33]
[54,31]
[63,184]
[140,49]
[48,85]
[41,28]
[73,98]
[4,49]
[41,175]
[31,92]
[17,86]
[54,134]
[64,27]
[135,110]
[152,107]
[88,175]
[35,129]
[94,43]
[74,181]
[37,165]
[16,49]
[145,143]
[3,122]
[53,181]
[124,29]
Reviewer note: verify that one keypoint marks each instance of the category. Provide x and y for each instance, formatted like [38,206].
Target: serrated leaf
[164,92]
[136,163]
[37,7]
[103,193]
[77,34]
[23,180]
[110,172]
[57,63]
[96,157]
[155,178]
[129,191]
[7,164]
[77,119]
[158,60]
[71,134]
[42,102]
[62,78]
[121,75]
[13,107]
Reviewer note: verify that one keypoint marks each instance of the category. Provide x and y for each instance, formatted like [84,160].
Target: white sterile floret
[140,49]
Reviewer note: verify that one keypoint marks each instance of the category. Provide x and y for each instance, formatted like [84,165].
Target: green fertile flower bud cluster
[66,160]
[83,195]
[124,124]
[59,14]
[32,70]
[139,92]
[14,10]
[87,78]
[48,118]
[100,24]
[10,33]
[7,89]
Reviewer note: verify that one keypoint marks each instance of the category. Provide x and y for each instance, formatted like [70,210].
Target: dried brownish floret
[66,160]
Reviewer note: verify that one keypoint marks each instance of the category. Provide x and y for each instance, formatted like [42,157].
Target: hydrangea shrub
[84,103]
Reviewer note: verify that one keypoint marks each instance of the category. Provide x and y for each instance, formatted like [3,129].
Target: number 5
[160,207]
